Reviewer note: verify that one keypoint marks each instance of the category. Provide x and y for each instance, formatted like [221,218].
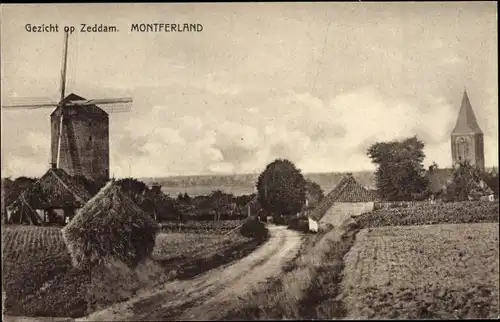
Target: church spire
[466,120]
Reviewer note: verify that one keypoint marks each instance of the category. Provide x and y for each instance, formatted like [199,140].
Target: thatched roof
[55,189]
[110,225]
[348,190]
[20,212]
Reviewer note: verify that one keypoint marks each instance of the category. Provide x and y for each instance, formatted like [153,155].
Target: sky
[316,83]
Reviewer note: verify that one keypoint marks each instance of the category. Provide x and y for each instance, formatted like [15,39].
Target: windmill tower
[467,139]
[79,130]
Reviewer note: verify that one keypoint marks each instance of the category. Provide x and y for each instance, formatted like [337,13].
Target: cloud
[452,60]
[217,87]
[30,157]
[260,84]
[318,134]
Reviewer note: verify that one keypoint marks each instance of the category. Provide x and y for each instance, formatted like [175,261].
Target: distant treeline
[326,180]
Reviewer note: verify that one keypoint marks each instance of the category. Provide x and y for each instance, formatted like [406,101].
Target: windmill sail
[63,88]
[79,128]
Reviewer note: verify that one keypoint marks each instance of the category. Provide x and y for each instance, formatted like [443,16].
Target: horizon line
[238,174]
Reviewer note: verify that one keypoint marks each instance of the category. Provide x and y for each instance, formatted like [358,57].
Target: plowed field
[436,271]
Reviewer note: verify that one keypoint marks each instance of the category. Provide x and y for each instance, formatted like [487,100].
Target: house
[348,198]
[54,198]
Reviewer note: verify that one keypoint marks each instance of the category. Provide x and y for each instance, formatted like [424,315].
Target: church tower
[467,142]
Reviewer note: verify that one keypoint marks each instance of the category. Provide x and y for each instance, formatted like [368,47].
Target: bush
[110,225]
[253,228]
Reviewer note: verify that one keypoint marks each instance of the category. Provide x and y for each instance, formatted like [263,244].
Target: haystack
[110,226]
[110,236]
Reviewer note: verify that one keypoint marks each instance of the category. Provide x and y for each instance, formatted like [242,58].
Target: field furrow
[435,271]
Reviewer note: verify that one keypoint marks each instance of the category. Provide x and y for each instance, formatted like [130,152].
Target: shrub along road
[200,298]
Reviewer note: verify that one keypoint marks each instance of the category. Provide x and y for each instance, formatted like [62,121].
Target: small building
[54,198]
[349,198]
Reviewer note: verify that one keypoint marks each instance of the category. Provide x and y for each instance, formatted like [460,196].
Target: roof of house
[348,190]
[466,120]
[55,189]
[353,191]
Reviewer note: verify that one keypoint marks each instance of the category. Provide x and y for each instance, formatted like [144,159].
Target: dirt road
[208,296]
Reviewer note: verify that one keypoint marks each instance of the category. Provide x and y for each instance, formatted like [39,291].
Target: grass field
[436,271]
[39,280]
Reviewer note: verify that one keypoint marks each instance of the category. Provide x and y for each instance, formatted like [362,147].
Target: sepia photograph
[249,161]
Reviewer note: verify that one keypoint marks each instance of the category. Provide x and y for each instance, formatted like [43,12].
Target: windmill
[79,129]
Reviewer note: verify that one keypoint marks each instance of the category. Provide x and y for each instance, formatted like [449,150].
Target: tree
[314,192]
[400,173]
[281,188]
[218,200]
[13,188]
[166,208]
[467,182]
[433,166]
